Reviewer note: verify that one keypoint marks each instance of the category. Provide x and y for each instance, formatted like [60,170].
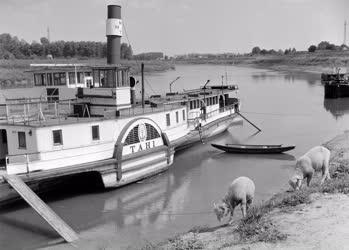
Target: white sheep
[315,159]
[241,191]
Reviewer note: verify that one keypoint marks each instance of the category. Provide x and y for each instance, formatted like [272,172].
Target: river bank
[314,217]
[316,62]
[13,72]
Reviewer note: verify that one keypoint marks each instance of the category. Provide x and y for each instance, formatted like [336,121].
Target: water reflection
[310,78]
[279,157]
[337,107]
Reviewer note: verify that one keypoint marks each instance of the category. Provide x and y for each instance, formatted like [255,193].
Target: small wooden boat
[253,149]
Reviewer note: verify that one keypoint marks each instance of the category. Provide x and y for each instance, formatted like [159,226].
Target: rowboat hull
[254,149]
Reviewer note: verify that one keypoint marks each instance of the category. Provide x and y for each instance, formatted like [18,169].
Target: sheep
[241,191]
[315,159]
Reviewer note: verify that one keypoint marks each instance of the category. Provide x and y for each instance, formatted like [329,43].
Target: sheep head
[220,210]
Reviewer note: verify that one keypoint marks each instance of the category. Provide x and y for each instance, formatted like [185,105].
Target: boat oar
[248,121]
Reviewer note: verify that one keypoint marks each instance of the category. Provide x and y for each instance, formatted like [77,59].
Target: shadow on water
[27,226]
[60,189]
[279,157]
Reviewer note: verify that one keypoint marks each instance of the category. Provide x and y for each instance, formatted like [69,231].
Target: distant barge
[336,85]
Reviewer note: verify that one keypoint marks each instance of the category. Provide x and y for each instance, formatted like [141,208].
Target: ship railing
[212,113]
[28,112]
[26,161]
[139,110]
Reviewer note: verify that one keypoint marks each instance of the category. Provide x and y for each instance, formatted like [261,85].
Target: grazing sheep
[241,191]
[315,159]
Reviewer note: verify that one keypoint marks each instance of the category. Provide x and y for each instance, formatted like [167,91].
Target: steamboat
[101,129]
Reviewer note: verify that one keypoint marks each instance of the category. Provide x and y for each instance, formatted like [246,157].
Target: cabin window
[119,78]
[168,121]
[191,104]
[107,78]
[71,78]
[22,144]
[96,80]
[39,79]
[52,94]
[59,79]
[95,133]
[57,137]
[49,79]
[4,136]
[177,117]
[123,76]
[183,113]
[88,73]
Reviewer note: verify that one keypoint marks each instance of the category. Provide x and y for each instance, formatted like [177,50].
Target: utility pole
[48,34]
[345,33]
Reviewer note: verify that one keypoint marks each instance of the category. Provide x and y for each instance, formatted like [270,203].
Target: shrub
[312,48]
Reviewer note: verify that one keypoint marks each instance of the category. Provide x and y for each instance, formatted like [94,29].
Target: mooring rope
[138,64]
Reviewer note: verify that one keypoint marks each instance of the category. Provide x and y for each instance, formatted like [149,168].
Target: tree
[256,50]
[36,48]
[126,51]
[323,45]
[44,41]
[312,48]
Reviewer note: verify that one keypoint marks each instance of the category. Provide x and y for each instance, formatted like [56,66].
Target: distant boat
[253,149]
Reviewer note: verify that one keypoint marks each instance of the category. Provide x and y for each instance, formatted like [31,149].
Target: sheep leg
[325,172]
[243,208]
[248,204]
[231,216]
[309,176]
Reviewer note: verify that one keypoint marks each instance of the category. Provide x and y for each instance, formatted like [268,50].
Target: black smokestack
[114,34]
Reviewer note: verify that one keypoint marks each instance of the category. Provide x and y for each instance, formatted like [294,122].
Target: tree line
[323,45]
[13,48]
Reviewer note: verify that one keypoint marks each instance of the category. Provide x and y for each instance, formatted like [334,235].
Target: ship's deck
[52,120]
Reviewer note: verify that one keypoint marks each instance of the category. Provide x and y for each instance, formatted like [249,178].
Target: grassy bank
[259,225]
[316,62]
[12,72]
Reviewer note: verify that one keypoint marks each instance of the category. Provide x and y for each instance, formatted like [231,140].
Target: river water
[288,107]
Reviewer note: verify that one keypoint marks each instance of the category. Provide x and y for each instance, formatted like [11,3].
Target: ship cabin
[61,81]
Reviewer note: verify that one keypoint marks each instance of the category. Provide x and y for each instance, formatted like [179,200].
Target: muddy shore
[317,62]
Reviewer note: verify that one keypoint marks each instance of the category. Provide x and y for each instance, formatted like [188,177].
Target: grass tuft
[187,243]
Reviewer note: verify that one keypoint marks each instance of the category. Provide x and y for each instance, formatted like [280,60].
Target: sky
[183,26]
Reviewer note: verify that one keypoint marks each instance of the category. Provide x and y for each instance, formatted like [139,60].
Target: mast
[142,70]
